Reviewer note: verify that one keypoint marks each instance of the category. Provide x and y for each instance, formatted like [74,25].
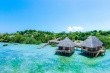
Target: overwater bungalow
[92,46]
[66,47]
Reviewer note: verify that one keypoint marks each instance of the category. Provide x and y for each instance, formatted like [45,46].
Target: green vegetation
[53,45]
[37,37]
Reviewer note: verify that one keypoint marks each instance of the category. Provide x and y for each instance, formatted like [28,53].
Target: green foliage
[37,37]
[105,40]
[53,45]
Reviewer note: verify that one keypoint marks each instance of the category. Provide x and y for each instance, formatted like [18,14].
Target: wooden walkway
[56,41]
[102,51]
[44,46]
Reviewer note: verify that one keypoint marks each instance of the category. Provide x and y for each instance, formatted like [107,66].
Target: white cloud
[74,28]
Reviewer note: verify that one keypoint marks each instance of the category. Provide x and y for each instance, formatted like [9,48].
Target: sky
[54,15]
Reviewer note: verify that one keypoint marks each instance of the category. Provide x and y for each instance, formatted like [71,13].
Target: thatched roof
[92,42]
[66,43]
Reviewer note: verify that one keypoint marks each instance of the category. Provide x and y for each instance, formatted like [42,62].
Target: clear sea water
[26,58]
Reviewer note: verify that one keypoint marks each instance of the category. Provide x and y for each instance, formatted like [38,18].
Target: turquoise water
[24,58]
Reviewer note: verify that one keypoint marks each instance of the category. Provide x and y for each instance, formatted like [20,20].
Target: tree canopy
[37,37]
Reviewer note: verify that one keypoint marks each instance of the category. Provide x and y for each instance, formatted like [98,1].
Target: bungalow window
[90,49]
[66,48]
[94,49]
[84,47]
[60,48]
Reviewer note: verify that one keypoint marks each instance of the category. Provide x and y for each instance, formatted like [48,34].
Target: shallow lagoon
[26,58]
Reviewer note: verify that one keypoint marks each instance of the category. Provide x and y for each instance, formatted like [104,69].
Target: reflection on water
[24,58]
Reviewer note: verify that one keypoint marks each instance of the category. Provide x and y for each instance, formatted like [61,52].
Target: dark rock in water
[5,45]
